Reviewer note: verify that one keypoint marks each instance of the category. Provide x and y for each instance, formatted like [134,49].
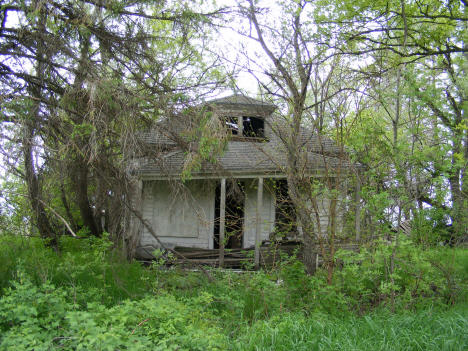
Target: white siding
[323,204]
[267,215]
[186,217]
[178,216]
[189,220]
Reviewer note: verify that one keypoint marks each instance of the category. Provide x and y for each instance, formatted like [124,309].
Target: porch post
[240,126]
[222,222]
[357,212]
[259,223]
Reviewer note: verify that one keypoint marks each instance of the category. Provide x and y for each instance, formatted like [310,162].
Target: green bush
[420,276]
[91,298]
[43,317]
[91,267]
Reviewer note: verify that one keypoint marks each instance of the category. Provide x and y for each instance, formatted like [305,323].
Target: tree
[79,78]
[417,50]
[311,91]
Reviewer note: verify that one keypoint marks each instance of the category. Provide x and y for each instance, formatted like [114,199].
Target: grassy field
[424,330]
[90,297]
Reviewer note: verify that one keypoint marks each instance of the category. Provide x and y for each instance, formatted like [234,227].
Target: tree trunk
[455,183]
[81,189]
[330,269]
[310,254]
[80,166]
[40,215]
[66,206]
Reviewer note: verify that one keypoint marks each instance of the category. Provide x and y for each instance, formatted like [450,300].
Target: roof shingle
[245,155]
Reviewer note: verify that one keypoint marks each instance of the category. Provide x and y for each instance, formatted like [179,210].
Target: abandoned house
[235,201]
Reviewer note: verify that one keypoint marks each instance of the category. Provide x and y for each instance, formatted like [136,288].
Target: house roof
[166,132]
[239,101]
[242,156]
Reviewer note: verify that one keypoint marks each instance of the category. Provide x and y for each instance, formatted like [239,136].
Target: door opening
[234,222]
[285,213]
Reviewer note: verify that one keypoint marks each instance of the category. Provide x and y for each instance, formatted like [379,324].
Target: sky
[231,44]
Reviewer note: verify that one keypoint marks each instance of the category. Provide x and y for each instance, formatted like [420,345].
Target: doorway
[285,213]
[234,222]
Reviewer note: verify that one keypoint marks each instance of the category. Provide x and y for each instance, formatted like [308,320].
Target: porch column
[222,222]
[240,126]
[357,211]
[259,223]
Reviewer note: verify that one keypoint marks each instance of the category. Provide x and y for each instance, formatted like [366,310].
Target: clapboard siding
[186,217]
[178,216]
[323,204]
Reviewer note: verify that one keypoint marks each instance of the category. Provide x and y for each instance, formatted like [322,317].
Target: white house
[240,198]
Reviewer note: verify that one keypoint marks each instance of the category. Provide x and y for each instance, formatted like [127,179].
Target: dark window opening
[285,212]
[234,216]
[253,127]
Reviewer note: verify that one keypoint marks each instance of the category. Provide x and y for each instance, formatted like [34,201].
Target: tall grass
[112,277]
[426,330]
[281,310]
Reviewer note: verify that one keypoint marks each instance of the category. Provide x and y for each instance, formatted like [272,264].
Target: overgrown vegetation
[92,298]
[80,80]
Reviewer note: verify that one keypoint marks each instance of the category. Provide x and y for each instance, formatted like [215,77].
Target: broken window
[247,127]
[232,124]
[254,127]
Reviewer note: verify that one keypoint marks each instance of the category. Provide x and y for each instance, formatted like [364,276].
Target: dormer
[243,116]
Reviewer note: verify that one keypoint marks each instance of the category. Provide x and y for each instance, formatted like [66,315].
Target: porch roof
[240,158]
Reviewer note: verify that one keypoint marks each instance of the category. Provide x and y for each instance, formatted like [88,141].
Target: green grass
[249,311]
[426,330]
[79,266]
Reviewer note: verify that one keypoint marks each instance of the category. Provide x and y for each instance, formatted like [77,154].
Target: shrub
[43,317]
